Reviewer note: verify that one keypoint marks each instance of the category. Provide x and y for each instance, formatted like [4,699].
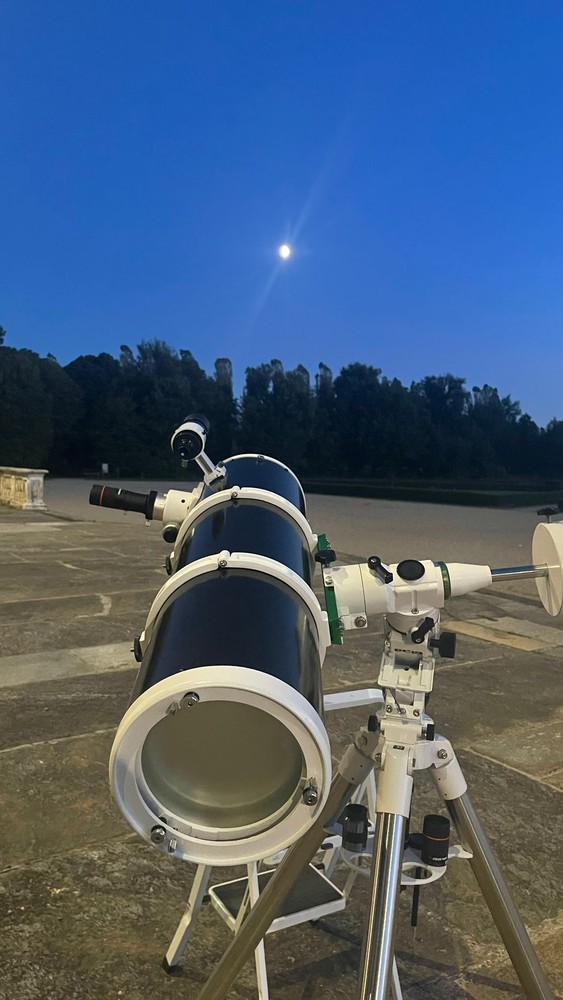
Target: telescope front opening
[224,775]
[223,765]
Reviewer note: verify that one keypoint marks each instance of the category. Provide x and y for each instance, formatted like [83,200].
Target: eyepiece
[110,496]
[436,840]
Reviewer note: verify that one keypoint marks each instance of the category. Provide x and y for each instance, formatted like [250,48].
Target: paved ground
[87,909]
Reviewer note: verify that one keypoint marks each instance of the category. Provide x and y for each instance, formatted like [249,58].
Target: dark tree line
[122,411]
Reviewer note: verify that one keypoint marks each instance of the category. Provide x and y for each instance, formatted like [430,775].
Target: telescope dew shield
[222,756]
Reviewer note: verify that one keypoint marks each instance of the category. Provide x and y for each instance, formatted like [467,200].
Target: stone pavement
[87,909]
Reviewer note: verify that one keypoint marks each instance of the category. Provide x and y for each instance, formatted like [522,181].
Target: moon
[284,251]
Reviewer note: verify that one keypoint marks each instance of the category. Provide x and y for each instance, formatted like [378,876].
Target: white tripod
[400,742]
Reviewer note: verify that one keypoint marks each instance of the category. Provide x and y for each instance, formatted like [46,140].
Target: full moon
[284,251]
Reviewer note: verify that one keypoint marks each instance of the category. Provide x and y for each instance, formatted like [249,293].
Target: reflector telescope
[222,756]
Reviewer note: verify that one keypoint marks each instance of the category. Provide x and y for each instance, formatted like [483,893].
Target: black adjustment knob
[325,556]
[377,567]
[410,569]
[170,532]
[542,512]
[444,645]
[426,626]
[137,651]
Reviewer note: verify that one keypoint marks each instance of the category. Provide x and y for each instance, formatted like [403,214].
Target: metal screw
[158,835]
[341,625]
[172,845]
[389,709]
[191,698]
[360,621]
[310,795]
[328,581]
[234,495]
[442,754]
[414,611]
[377,758]
[403,711]
[173,708]
[416,713]
[223,564]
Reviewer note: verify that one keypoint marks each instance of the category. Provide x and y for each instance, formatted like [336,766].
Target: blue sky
[155,155]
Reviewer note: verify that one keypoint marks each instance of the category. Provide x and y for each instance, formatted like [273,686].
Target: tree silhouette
[122,411]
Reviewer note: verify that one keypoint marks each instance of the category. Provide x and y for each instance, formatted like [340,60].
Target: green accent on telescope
[445,579]
[330,601]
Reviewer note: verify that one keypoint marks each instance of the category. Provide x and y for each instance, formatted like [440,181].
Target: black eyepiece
[436,840]
[110,496]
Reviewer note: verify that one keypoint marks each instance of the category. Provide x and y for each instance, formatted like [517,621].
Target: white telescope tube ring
[244,495]
[195,841]
[239,561]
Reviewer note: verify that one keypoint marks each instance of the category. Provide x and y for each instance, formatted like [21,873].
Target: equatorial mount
[413,589]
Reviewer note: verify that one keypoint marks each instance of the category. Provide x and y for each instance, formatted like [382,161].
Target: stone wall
[22,488]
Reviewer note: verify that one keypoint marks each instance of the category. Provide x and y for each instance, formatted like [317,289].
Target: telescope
[223,757]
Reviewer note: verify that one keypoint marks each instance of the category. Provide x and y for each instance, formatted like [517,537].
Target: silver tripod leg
[377,965]
[498,899]
[394,791]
